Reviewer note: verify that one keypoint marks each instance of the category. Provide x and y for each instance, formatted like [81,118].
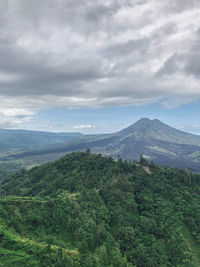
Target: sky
[98,66]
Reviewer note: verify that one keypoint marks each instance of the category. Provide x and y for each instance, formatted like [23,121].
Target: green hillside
[10,167]
[88,210]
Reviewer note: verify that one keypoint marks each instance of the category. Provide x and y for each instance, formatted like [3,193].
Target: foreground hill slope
[157,141]
[87,210]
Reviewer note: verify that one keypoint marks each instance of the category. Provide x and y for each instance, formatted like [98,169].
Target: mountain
[146,129]
[153,139]
[85,210]
[20,140]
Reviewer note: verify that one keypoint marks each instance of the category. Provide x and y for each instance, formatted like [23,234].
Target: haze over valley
[153,139]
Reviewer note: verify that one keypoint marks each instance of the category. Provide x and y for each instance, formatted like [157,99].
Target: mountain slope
[157,141]
[87,210]
[146,129]
[19,140]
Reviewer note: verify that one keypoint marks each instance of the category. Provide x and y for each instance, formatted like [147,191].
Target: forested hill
[87,210]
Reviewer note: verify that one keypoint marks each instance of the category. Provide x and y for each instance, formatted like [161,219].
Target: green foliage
[10,167]
[143,161]
[87,210]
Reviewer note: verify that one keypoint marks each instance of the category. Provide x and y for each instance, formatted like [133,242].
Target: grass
[20,248]
[16,250]
[193,246]
[195,155]
[161,149]
[16,258]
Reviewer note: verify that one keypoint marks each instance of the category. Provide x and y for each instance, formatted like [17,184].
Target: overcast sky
[95,66]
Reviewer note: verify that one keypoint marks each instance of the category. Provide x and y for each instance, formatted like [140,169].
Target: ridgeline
[93,211]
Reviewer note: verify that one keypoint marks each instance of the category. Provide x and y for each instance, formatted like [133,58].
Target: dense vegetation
[10,167]
[87,210]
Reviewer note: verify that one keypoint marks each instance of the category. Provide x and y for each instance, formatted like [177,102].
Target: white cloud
[82,127]
[17,112]
[193,128]
[12,117]
[97,53]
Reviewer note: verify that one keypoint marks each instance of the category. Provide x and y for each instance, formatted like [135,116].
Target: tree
[143,161]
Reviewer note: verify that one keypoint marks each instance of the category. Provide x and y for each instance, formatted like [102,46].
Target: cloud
[54,126]
[11,117]
[97,53]
[193,128]
[17,112]
[82,127]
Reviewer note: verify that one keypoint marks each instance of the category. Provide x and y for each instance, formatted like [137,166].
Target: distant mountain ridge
[20,140]
[155,140]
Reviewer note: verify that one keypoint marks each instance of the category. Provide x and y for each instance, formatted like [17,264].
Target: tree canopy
[89,210]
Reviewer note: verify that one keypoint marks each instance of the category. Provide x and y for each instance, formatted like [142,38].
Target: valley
[153,139]
[102,200]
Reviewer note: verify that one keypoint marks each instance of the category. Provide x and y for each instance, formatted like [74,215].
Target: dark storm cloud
[130,47]
[193,64]
[76,53]
[192,61]
[187,63]
[170,66]
[181,5]
[165,30]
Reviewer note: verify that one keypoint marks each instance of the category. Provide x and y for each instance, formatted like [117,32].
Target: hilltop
[89,210]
